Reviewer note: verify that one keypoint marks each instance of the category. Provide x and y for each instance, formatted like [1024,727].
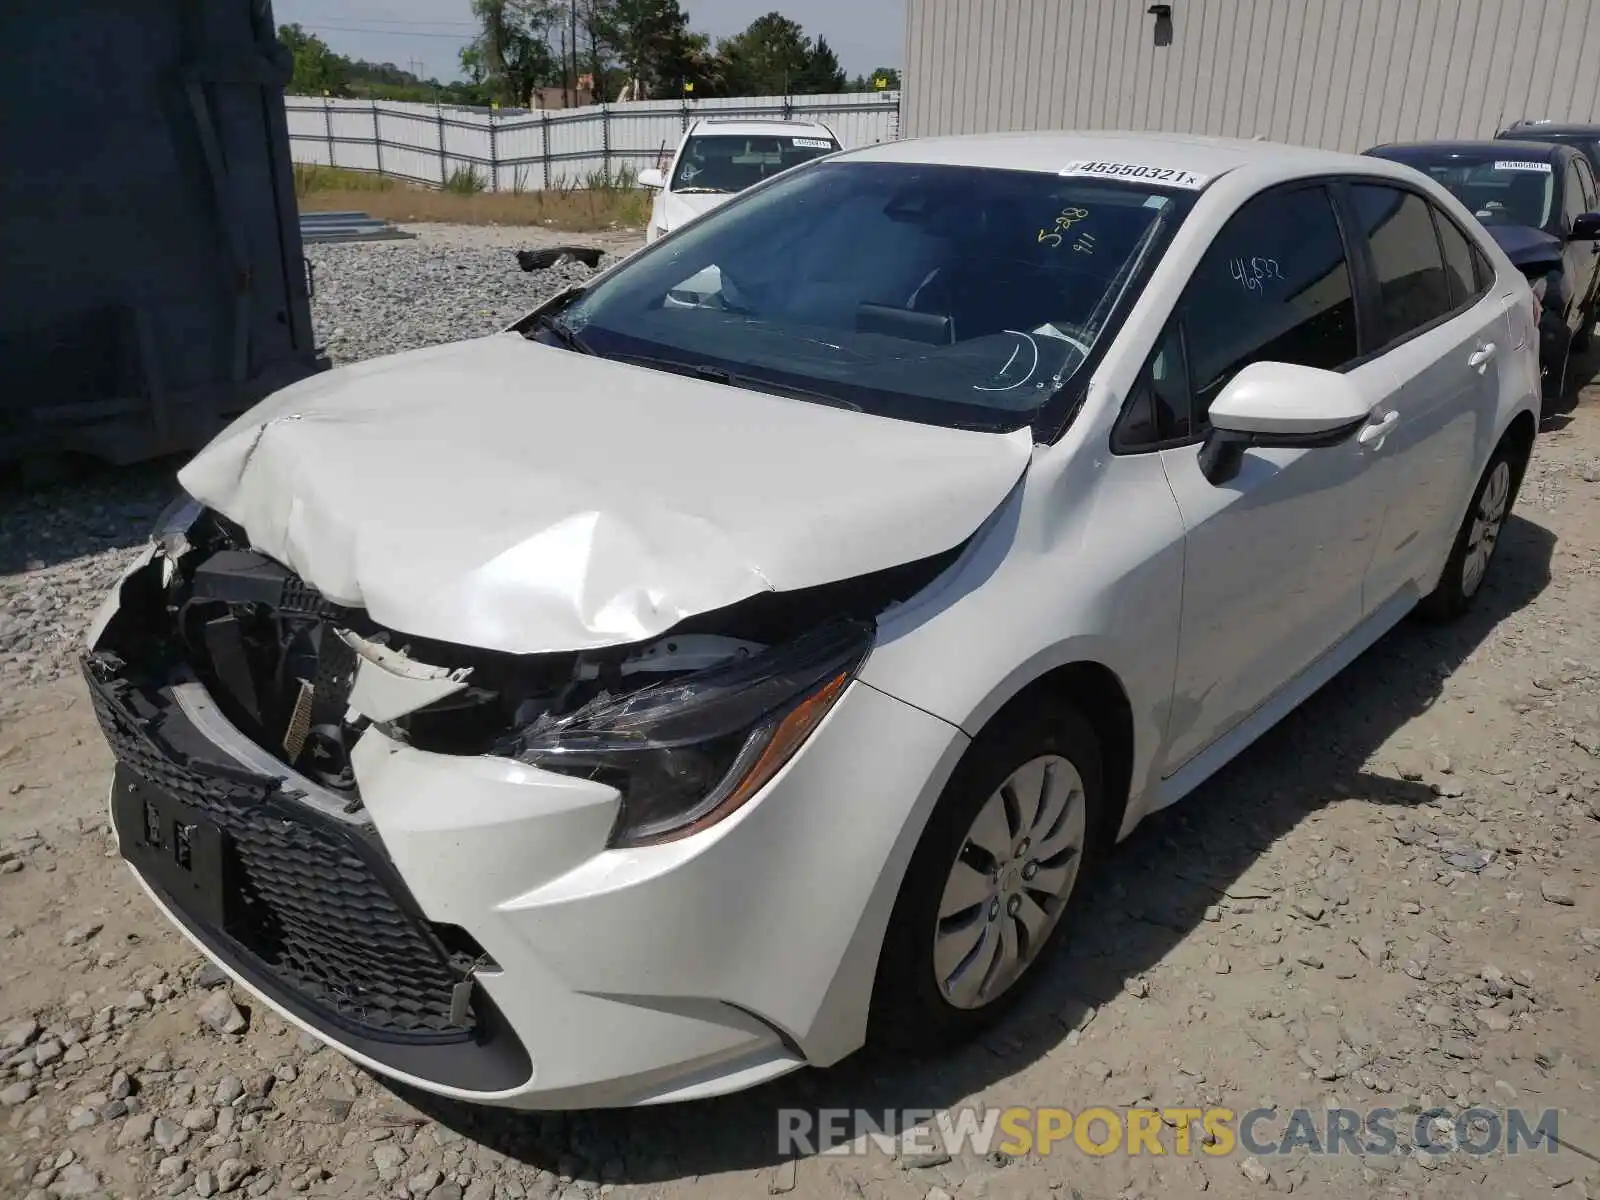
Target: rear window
[722,162]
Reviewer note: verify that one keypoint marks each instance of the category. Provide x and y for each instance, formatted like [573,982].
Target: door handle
[1374,434]
[1482,356]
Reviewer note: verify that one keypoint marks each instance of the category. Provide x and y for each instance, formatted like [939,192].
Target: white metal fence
[528,151]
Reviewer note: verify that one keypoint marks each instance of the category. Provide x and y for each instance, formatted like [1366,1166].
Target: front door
[1274,557]
[1583,257]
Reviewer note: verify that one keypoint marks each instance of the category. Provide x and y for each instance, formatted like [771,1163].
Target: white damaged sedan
[659,696]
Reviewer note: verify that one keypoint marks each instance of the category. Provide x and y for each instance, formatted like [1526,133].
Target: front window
[1503,189]
[724,163]
[945,294]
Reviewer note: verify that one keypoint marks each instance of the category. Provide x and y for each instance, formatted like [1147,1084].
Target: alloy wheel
[1487,521]
[1010,882]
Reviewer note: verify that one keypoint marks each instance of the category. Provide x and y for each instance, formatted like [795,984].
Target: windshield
[949,295]
[1500,191]
[723,162]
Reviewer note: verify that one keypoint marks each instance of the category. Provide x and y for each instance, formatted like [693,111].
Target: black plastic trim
[494,1061]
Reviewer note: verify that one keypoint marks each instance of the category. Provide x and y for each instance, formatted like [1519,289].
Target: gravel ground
[63,547]
[1389,901]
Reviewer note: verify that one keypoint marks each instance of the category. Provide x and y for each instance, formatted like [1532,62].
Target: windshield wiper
[714,374]
[563,333]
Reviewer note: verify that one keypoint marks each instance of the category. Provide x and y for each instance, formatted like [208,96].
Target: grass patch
[602,202]
[309,178]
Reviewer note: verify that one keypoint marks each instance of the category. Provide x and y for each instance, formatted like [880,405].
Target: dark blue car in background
[1581,137]
[1538,200]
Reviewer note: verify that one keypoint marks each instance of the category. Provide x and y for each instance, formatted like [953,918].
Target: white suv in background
[718,159]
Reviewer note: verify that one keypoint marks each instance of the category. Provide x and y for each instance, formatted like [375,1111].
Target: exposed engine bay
[282,662]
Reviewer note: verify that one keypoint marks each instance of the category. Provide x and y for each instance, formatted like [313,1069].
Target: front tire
[992,882]
[1477,540]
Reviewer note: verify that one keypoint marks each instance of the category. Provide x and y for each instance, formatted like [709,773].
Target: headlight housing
[690,752]
[172,526]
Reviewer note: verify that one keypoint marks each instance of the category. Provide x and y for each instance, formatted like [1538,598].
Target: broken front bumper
[466,930]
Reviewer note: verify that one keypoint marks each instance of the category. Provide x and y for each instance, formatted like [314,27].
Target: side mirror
[1586,228]
[652,178]
[1274,404]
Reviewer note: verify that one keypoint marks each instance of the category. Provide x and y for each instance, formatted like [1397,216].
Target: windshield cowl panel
[948,295]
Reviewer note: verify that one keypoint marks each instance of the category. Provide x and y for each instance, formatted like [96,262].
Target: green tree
[511,54]
[767,59]
[652,44]
[318,71]
[822,75]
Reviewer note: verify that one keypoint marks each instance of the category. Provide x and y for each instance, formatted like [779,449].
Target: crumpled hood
[518,497]
[677,208]
[1526,246]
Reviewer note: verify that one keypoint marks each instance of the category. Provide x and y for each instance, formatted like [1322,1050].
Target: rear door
[1439,327]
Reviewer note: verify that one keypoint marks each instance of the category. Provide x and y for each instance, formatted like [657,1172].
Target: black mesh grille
[306,899]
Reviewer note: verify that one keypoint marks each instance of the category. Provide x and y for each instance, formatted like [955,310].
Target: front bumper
[604,977]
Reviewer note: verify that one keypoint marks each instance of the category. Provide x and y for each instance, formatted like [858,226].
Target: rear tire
[1478,538]
[993,881]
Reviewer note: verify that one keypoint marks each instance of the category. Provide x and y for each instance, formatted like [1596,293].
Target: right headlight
[690,752]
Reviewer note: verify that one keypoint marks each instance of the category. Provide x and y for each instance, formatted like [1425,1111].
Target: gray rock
[136,1131]
[76,1180]
[1557,891]
[231,1174]
[219,1012]
[387,1159]
[19,1034]
[169,1135]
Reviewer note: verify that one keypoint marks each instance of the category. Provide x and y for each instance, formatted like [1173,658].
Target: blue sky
[864,33]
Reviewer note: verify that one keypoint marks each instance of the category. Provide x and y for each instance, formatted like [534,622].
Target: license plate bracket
[174,848]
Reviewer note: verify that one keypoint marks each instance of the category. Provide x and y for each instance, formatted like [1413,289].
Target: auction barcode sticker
[812,143]
[1170,176]
[1542,167]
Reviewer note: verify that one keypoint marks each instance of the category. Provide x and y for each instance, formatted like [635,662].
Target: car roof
[1572,127]
[1051,150]
[1537,151]
[756,127]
